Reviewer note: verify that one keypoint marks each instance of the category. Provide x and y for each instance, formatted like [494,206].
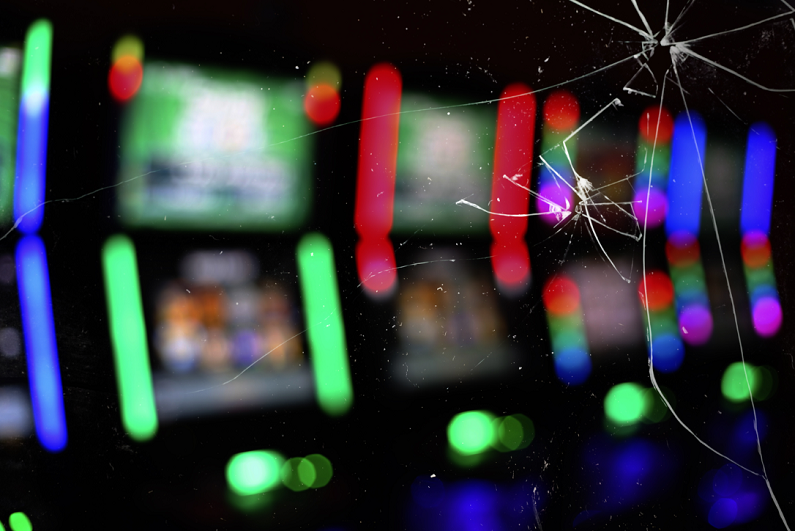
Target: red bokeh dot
[322,104]
[660,290]
[561,110]
[125,78]
[648,124]
[561,296]
[755,249]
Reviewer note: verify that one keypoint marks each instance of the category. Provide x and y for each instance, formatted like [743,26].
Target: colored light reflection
[512,432]
[375,181]
[732,496]
[758,181]
[471,432]
[561,115]
[19,521]
[513,157]
[685,177]
[323,470]
[254,472]
[40,346]
[126,71]
[625,404]
[564,316]
[325,329]
[692,301]
[298,474]
[32,127]
[128,338]
[734,386]
[322,104]
[655,129]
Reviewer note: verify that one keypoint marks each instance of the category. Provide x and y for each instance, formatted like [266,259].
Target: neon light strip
[760,170]
[375,180]
[128,337]
[513,155]
[668,351]
[564,316]
[561,115]
[325,329]
[34,110]
[40,346]
[682,225]
[653,139]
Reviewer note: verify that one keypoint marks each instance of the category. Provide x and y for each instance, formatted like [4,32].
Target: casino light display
[561,116]
[564,316]
[656,292]
[682,225]
[375,180]
[126,71]
[655,129]
[513,157]
[760,169]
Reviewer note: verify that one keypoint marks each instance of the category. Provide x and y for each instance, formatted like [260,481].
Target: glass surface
[442,265]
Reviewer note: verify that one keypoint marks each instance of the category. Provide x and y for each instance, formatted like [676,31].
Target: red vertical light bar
[513,157]
[375,180]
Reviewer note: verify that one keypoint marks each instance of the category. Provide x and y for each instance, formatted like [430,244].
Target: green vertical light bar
[10,61]
[128,336]
[325,329]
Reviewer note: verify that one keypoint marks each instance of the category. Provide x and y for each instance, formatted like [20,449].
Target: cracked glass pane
[432,265]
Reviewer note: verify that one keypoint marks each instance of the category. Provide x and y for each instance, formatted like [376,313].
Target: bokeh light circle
[767,316]
[471,432]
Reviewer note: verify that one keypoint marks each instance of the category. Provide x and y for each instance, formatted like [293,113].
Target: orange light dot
[561,110]
[322,104]
[561,296]
[125,78]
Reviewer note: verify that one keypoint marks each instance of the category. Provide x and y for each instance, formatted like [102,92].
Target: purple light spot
[561,196]
[658,207]
[695,324]
[767,316]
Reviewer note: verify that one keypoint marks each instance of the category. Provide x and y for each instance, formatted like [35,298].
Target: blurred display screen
[10,60]
[204,148]
[444,155]
[449,323]
[226,337]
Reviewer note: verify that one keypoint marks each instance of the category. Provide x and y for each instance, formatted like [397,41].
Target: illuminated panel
[34,110]
[561,115]
[760,169]
[682,226]
[10,59]
[325,329]
[128,336]
[655,129]
[375,180]
[666,349]
[40,347]
[322,99]
[513,156]
[564,316]
[126,71]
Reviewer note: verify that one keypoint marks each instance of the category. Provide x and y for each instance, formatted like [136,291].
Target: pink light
[375,262]
[513,157]
[561,196]
[767,316]
[658,207]
[695,324]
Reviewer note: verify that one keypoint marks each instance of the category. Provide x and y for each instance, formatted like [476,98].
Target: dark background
[471,49]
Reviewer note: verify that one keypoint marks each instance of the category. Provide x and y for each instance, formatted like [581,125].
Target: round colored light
[723,513]
[625,403]
[375,260]
[695,325]
[323,470]
[561,110]
[648,124]
[322,104]
[561,197]
[125,78]
[298,474]
[572,366]
[511,263]
[561,295]
[755,249]
[658,207]
[668,353]
[19,522]
[471,432]
[733,385]
[682,249]
[253,472]
[767,316]
[659,288]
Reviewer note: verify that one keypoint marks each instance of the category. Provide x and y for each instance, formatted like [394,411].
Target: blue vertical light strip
[684,176]
[760,169]
[34,110]
[40,347]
